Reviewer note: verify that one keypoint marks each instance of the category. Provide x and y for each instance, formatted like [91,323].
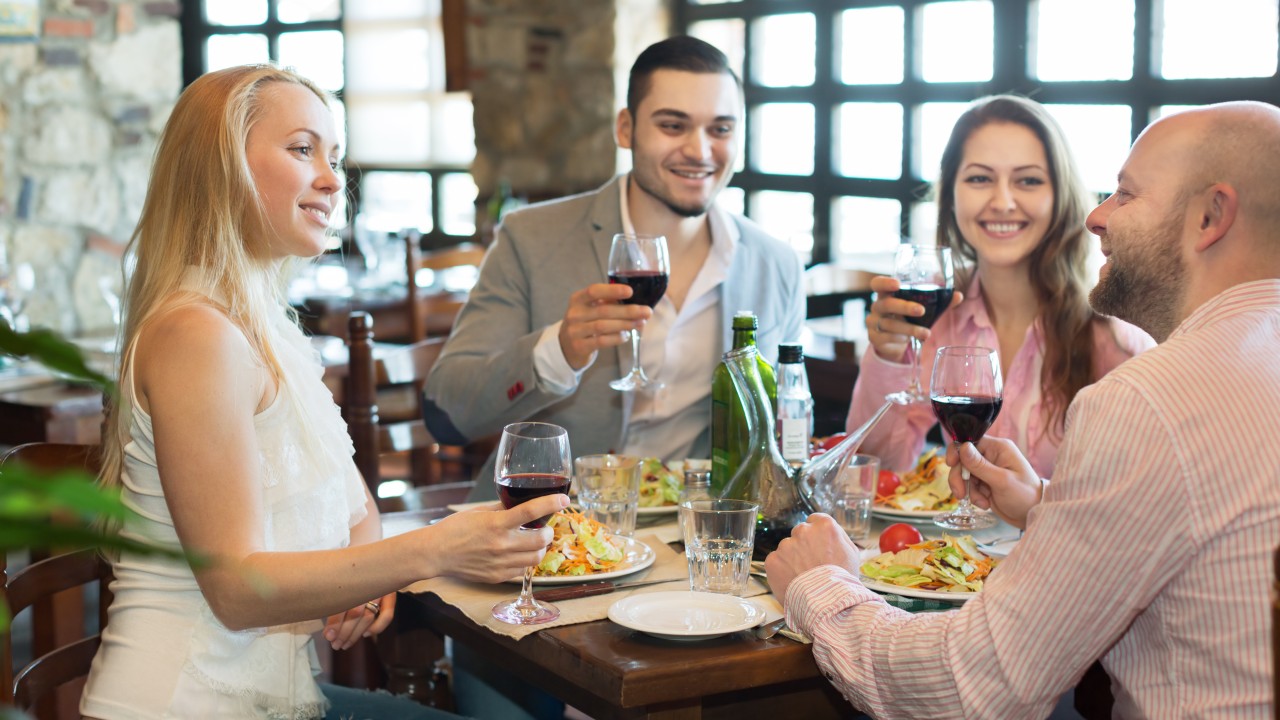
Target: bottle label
[795,438]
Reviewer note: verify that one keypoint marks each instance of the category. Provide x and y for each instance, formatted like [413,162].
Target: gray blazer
[484,378]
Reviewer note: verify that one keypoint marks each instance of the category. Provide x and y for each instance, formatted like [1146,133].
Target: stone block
[77,197]
[97,7]
[68,135]
[126,18]
[68,27]
[55,85]
[97,275]
[133,114]
[16,59]
[142,65]
[61,56]
[26,194]
[133,173]
[165,9]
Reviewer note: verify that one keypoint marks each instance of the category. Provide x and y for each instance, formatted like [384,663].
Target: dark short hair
[681,52]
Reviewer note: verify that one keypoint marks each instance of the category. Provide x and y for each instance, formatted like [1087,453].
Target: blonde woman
[1011,207]
[225,440]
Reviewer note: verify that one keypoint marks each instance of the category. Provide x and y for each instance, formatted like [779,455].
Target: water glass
[609,490]
[718,539]
[852,494]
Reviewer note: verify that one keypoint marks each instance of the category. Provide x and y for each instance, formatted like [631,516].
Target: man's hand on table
[596,319]
[1001,478]
[818,541]
[487,544]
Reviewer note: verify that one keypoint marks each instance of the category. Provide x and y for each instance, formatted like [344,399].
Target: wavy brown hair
[1058,270]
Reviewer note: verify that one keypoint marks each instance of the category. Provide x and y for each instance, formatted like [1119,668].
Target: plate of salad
[661,483]
[920,495]
[583,550]
[952,569]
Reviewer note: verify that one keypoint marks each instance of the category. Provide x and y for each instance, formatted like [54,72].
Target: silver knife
[603,587]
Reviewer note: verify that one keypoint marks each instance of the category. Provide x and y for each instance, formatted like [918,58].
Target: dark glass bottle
[763,476]
[728,429]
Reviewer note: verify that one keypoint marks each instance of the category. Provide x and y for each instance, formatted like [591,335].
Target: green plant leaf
[53,352]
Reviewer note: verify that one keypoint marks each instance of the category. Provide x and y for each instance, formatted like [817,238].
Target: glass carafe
[763,476]
[816,477]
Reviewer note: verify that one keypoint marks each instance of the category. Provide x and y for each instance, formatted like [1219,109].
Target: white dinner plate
[636,557]
[686,615]
[891,589]
[1000,549]
[889,513]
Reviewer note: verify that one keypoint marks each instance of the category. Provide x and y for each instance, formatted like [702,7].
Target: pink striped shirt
[1151,551]
[899,437]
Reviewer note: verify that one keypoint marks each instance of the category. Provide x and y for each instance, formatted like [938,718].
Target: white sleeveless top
[163,653]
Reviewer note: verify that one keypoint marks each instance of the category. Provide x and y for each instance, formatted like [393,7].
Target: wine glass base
[966,521]
[636,382]
[906,397]
[513,613]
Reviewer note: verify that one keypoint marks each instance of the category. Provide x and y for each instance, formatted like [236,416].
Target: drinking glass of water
[851,495]
[609,490]
[719,536]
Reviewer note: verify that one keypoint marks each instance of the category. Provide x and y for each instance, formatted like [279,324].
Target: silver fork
[768,630]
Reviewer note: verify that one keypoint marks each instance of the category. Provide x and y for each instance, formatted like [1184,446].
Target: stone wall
[80,112]
[547,78]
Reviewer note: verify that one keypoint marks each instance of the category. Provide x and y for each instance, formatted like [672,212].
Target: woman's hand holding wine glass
[925,280]
[533,461]
[966,391]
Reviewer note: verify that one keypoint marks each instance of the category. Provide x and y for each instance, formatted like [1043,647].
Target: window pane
[236,12]
[317,55]
[957,41]
[870,47]
[1099,138]
[386,132]
[392,201]
[458,194]
[869,141]
[298,11]
[370,53]
[728,35]
[1236,38]
[782,50]
[1162,110]
[1059,26]
[933,129]
[786,215]
[923,222]
[734,200]
[782,139]
[865,225]
[223,51]
[453,137]
[392,9]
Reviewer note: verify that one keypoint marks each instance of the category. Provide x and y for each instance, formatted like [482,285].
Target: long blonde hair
[203,209]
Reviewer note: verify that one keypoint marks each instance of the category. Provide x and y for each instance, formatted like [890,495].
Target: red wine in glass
[934,299]
[647,286]
[522,487]
[966,417]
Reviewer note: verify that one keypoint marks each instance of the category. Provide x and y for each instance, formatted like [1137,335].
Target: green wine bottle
[729,432]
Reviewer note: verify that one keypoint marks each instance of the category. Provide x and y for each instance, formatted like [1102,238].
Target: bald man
[1151,549]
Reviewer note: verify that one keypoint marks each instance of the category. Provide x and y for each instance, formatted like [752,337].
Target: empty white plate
[686,615]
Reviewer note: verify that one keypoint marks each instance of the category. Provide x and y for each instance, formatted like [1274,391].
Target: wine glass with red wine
[641,262]
[533,460]
[925,276]
[966,391]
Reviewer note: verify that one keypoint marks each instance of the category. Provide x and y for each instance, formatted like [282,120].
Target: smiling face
[1003,193]
[683,140]
[292,151]
[1141,225]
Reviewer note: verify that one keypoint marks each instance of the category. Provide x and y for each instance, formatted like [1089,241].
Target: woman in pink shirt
[1011,207]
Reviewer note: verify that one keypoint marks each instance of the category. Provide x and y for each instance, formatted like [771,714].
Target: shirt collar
[724,233]
[1258,294]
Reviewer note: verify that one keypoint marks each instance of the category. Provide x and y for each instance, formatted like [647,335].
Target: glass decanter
[817,476]
[763,476]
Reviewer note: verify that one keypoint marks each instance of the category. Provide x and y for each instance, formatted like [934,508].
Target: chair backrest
[61,649]
[383,401]
[434,314]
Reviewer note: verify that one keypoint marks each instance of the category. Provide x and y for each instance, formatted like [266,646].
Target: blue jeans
[482,690]
[352,704]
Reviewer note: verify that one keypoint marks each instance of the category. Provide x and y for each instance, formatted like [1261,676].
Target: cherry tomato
[897,536]
[887,483]
[833,441]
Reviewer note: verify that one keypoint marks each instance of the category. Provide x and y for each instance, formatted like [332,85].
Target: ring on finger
[373,606]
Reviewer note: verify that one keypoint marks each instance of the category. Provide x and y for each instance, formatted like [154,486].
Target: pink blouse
[899,438]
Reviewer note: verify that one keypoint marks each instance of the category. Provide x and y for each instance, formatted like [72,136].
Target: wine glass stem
[526,603]
[914,389]
[635,352]
[963,508]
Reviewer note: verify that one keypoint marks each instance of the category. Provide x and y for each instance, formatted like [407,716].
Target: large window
[849,103]
[408,142]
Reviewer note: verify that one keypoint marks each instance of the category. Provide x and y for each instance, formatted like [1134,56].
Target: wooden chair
[434,314]
[54,589]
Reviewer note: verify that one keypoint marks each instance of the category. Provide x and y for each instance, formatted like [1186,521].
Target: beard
[653,187]
[1146,278]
